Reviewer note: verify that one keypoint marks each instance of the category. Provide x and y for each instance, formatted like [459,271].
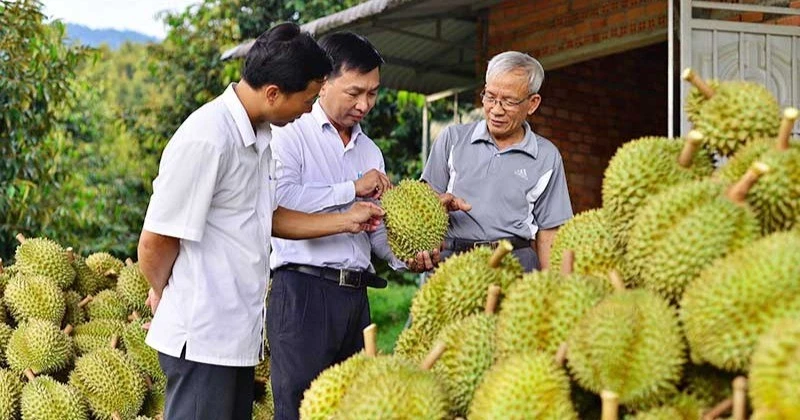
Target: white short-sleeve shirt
[215,192]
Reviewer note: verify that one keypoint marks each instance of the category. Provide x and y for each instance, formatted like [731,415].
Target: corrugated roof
[428,45]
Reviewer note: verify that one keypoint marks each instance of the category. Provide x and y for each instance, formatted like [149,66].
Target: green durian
[44,257]
[706,384]
[589,236]
[74,314]
[739,297]
[44,398]
[413,344]
[321,400]
[521,386]
[10,391]
[154,400]
[106,266]
[631,344]
[679,407]
[5,335]
[108,304]
[35,297]
[415,219]
[132,287]
[695,100]
[39,346]
[96,334]
[143,356]
[109,382]
[87,281]
[775,372]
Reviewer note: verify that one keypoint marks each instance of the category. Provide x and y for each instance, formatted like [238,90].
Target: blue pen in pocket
[359,174]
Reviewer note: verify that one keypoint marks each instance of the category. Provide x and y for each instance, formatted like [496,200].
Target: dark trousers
[199,391]
[312,323]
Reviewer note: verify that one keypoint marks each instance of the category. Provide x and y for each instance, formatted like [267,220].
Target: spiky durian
[143,356]
[739,297]
[132,287]
[640,169]
[108,304]
[96,334]
[34,297]
[109,382]
[154,400]
[589,236]
[87,281]
[680,407]
[39,346]
[321,400]
[426,315]
[264,409]
[10,391]
[524,385]
[775,372]
[695,99]
[74,314]
[44,398]
[631,344]
[706,384]
[5,335]
[44,257]
[413,344]
[415,219]
[106,266]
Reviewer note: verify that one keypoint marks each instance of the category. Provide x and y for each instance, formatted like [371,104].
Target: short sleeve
[183,190]
[553,208]
[436,172]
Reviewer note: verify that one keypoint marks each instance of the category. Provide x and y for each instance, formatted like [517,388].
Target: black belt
[344,278]
[460,245]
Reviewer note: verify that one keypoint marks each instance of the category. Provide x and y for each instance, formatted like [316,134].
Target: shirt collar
[239,114]
[527,145]
[322,120]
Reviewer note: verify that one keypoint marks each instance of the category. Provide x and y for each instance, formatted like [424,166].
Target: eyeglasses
[506,104]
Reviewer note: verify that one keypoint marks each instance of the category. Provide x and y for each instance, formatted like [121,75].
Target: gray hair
[514,60]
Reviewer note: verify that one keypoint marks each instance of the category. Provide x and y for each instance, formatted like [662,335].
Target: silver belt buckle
[490,244]
[343,279]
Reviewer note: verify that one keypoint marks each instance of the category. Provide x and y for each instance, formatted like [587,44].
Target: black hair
[350,51]
[286,57]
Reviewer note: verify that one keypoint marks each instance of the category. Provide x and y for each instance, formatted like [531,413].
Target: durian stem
[561,354]
[68,329]
[85,301]
[128,261]
[738,191]
[740,398]
[1,266]
[610,405]
[693,140]
[371,340]
[70,254]
[690,76]
[722,407]
[492,297]
[433,356]
[503,248]
[21,238]
[30,375]
[116,416]
[262,380]
[148,381]
[789,117]
[568,262]
[114,341]
[616,280]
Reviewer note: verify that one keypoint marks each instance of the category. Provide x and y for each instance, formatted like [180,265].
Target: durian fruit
[775,372]
[87,281]
[4,317]
[426,315]
[629,344]
[682,230]
[734,113]
[10,391]
[108,304]
[706,384]
[44,257]
[680,407]
[524,385]
[44,398]
[109,382]
[644,167]
[5,335]
[132,286]
[739,297]
[540,310]
[5,277]
[264,409]
[415,219]
[74,314]
[34,297]
[143,356]
[589,236]
[106,266]
[39,346]
[695,99]
[154,401]
[96,334]
[413,343]
[322,398]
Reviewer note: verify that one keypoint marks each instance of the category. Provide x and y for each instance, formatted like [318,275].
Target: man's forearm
[544,241]
[157,254]
[292,224]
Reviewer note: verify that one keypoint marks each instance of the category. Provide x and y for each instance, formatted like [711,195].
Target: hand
[453,203]
[372,185]
[424,261]
[363,216]
[152,300]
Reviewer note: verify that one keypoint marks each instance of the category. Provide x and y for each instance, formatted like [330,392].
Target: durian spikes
[492,297]
[693,141]
[785,131]
[21,238]
[568,262]
[371,340]
[616,280]
[561,354]
[738,191]
[610,405]
[690,76]
[29,374]
[70,254]
[740,398]
[503,248]
[85,301]
[434,355]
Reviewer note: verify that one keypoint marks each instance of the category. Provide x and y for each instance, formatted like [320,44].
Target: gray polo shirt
[516,191]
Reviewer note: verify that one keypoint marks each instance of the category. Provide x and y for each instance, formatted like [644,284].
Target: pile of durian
[678,299]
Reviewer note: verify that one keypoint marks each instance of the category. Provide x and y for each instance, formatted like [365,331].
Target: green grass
[389,310]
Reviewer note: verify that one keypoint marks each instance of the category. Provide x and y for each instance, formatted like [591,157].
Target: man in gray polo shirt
[513,177]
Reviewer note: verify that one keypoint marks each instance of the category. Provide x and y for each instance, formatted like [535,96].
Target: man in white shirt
[205,243]
[318,304]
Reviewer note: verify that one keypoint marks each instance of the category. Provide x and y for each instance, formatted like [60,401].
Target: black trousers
[199,391]
[312,323]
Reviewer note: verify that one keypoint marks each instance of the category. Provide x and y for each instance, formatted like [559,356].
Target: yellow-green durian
[108,304]
[109,382]
[143,356]
[695,99]
[415,219]
[73,315]
[5,335]
[413,344]
[39,346]
[739,297]
[321,400]
[44,398]
[706,384]
[34,297]
[525,385]
[87,281]
[10,391]
[680,407]
[44,257]
[640,169]
[154,400]
[132,287]
[96,334]
[631,344]
[588,235]
[775,372]
[106,266]
[264,407]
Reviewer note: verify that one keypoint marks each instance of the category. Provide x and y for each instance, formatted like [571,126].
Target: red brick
[752,17]
[789,21]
